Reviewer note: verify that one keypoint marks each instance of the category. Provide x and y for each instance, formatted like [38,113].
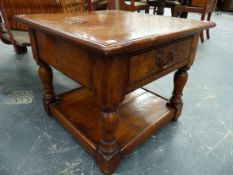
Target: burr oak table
[112,54]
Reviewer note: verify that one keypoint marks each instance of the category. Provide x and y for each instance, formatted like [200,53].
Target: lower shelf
[141,113]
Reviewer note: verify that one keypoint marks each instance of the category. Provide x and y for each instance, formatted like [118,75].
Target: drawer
[157,60]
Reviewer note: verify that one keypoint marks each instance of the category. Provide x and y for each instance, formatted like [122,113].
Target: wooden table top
[114,31]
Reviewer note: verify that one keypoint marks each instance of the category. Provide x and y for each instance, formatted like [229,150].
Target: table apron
[71,60]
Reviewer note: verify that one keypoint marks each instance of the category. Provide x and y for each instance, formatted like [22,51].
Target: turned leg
[202,34]
[110,88]
[46,76]
[108,155]
[180,80]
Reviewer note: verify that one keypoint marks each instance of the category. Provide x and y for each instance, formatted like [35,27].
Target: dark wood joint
[20,49]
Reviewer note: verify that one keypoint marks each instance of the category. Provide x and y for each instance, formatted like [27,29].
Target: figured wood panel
[141,113]
[71,60]
[110,32]
[109,80]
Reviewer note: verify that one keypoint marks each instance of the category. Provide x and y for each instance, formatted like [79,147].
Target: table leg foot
[178,108]
[108,163]
[108,154]
[180,79]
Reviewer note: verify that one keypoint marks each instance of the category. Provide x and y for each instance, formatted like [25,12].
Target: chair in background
[13,32]
[132,5]
[99,5]
[197,6]
[168,4]
[127,5]
[3,30]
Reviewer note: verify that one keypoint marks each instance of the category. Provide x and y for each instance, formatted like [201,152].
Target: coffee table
[112,54]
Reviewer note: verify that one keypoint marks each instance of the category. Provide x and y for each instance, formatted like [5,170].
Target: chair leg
[209,16]
[202,34]
[184,15]
[154,9]
[202,37]
[174,12]
[207,30]
[208,33]
[20,49]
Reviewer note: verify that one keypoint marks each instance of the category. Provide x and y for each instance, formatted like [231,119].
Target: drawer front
[157,60]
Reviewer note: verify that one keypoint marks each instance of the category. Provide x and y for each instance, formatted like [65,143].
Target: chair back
[198,3]
[207,4]
[9,8]
[69,6]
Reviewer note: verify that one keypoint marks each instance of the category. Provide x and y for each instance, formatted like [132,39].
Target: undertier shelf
[141,114]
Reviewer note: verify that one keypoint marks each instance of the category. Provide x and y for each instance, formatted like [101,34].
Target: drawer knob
[161,61]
